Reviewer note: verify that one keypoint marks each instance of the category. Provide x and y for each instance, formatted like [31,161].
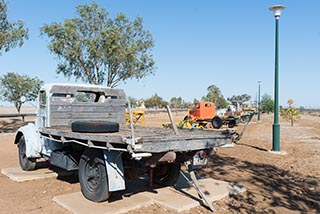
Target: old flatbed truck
[82,128]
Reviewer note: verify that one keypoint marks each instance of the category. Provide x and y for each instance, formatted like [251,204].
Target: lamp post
[276,126]
[259,101]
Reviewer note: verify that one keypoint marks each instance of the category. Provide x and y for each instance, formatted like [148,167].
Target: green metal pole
[276,125]
[259,102]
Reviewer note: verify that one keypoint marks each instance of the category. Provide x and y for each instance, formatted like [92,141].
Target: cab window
[43,98]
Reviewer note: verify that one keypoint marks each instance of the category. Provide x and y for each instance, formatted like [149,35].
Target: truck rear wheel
[166,174]
[26,164]
[93,176]
[217,122]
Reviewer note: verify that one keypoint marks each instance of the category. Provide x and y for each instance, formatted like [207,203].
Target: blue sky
[197,43]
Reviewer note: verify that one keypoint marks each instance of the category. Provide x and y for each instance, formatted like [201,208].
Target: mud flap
[114,168]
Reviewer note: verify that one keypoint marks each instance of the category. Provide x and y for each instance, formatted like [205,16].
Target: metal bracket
[134,142]
[138,156]
[194,182]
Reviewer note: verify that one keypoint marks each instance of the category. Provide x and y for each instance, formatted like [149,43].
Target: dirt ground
[275,183]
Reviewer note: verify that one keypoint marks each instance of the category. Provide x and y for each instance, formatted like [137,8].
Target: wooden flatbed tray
[149,139]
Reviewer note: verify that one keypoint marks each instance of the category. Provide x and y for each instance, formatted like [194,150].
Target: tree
[188,105]
[12,34]
[100,50]
[290,114]
[214,95]
[267,104]
[133,102]
[176,102]
[155,101]
[239,99]
[14,86]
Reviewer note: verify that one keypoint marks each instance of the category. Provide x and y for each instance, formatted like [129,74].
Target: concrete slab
[277,152]
[173,199]
[179,199]
[184,197]
[76,203]
[18,175]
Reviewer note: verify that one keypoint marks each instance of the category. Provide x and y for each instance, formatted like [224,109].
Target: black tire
[231,123]
[93,176]
[26,164]
[217,122]
[166,174]
[94,126]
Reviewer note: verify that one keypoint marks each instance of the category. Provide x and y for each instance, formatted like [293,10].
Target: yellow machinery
[137,117]
[203,115]
[189,124]
[193,123]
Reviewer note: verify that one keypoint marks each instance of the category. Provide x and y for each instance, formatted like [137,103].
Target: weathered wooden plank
[107,138]
[84,115]
[93,109]
[54,100]
[180,137]
[88,116]
[181,145]
[55,121]
[107,102]
[88,112]
[60,122]
[73,90]
[60,108]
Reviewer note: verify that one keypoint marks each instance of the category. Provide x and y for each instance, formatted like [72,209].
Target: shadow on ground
[275,187]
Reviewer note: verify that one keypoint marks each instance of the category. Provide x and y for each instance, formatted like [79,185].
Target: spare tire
[94,126]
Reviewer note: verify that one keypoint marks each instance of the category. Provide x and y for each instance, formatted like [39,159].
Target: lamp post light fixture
[259,107]
[276,126]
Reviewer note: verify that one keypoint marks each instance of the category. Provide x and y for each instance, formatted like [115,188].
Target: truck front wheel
[93,176]
[26,163]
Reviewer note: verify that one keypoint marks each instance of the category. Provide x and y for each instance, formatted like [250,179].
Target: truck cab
[60,104]
[203,111]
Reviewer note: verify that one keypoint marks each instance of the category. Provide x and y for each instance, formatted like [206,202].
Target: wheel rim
[92,173]
[215,123]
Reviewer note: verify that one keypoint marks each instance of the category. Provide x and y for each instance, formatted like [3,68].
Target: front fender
[32,139]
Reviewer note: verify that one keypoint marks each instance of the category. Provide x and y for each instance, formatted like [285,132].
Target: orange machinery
[202,111]
[204,115]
